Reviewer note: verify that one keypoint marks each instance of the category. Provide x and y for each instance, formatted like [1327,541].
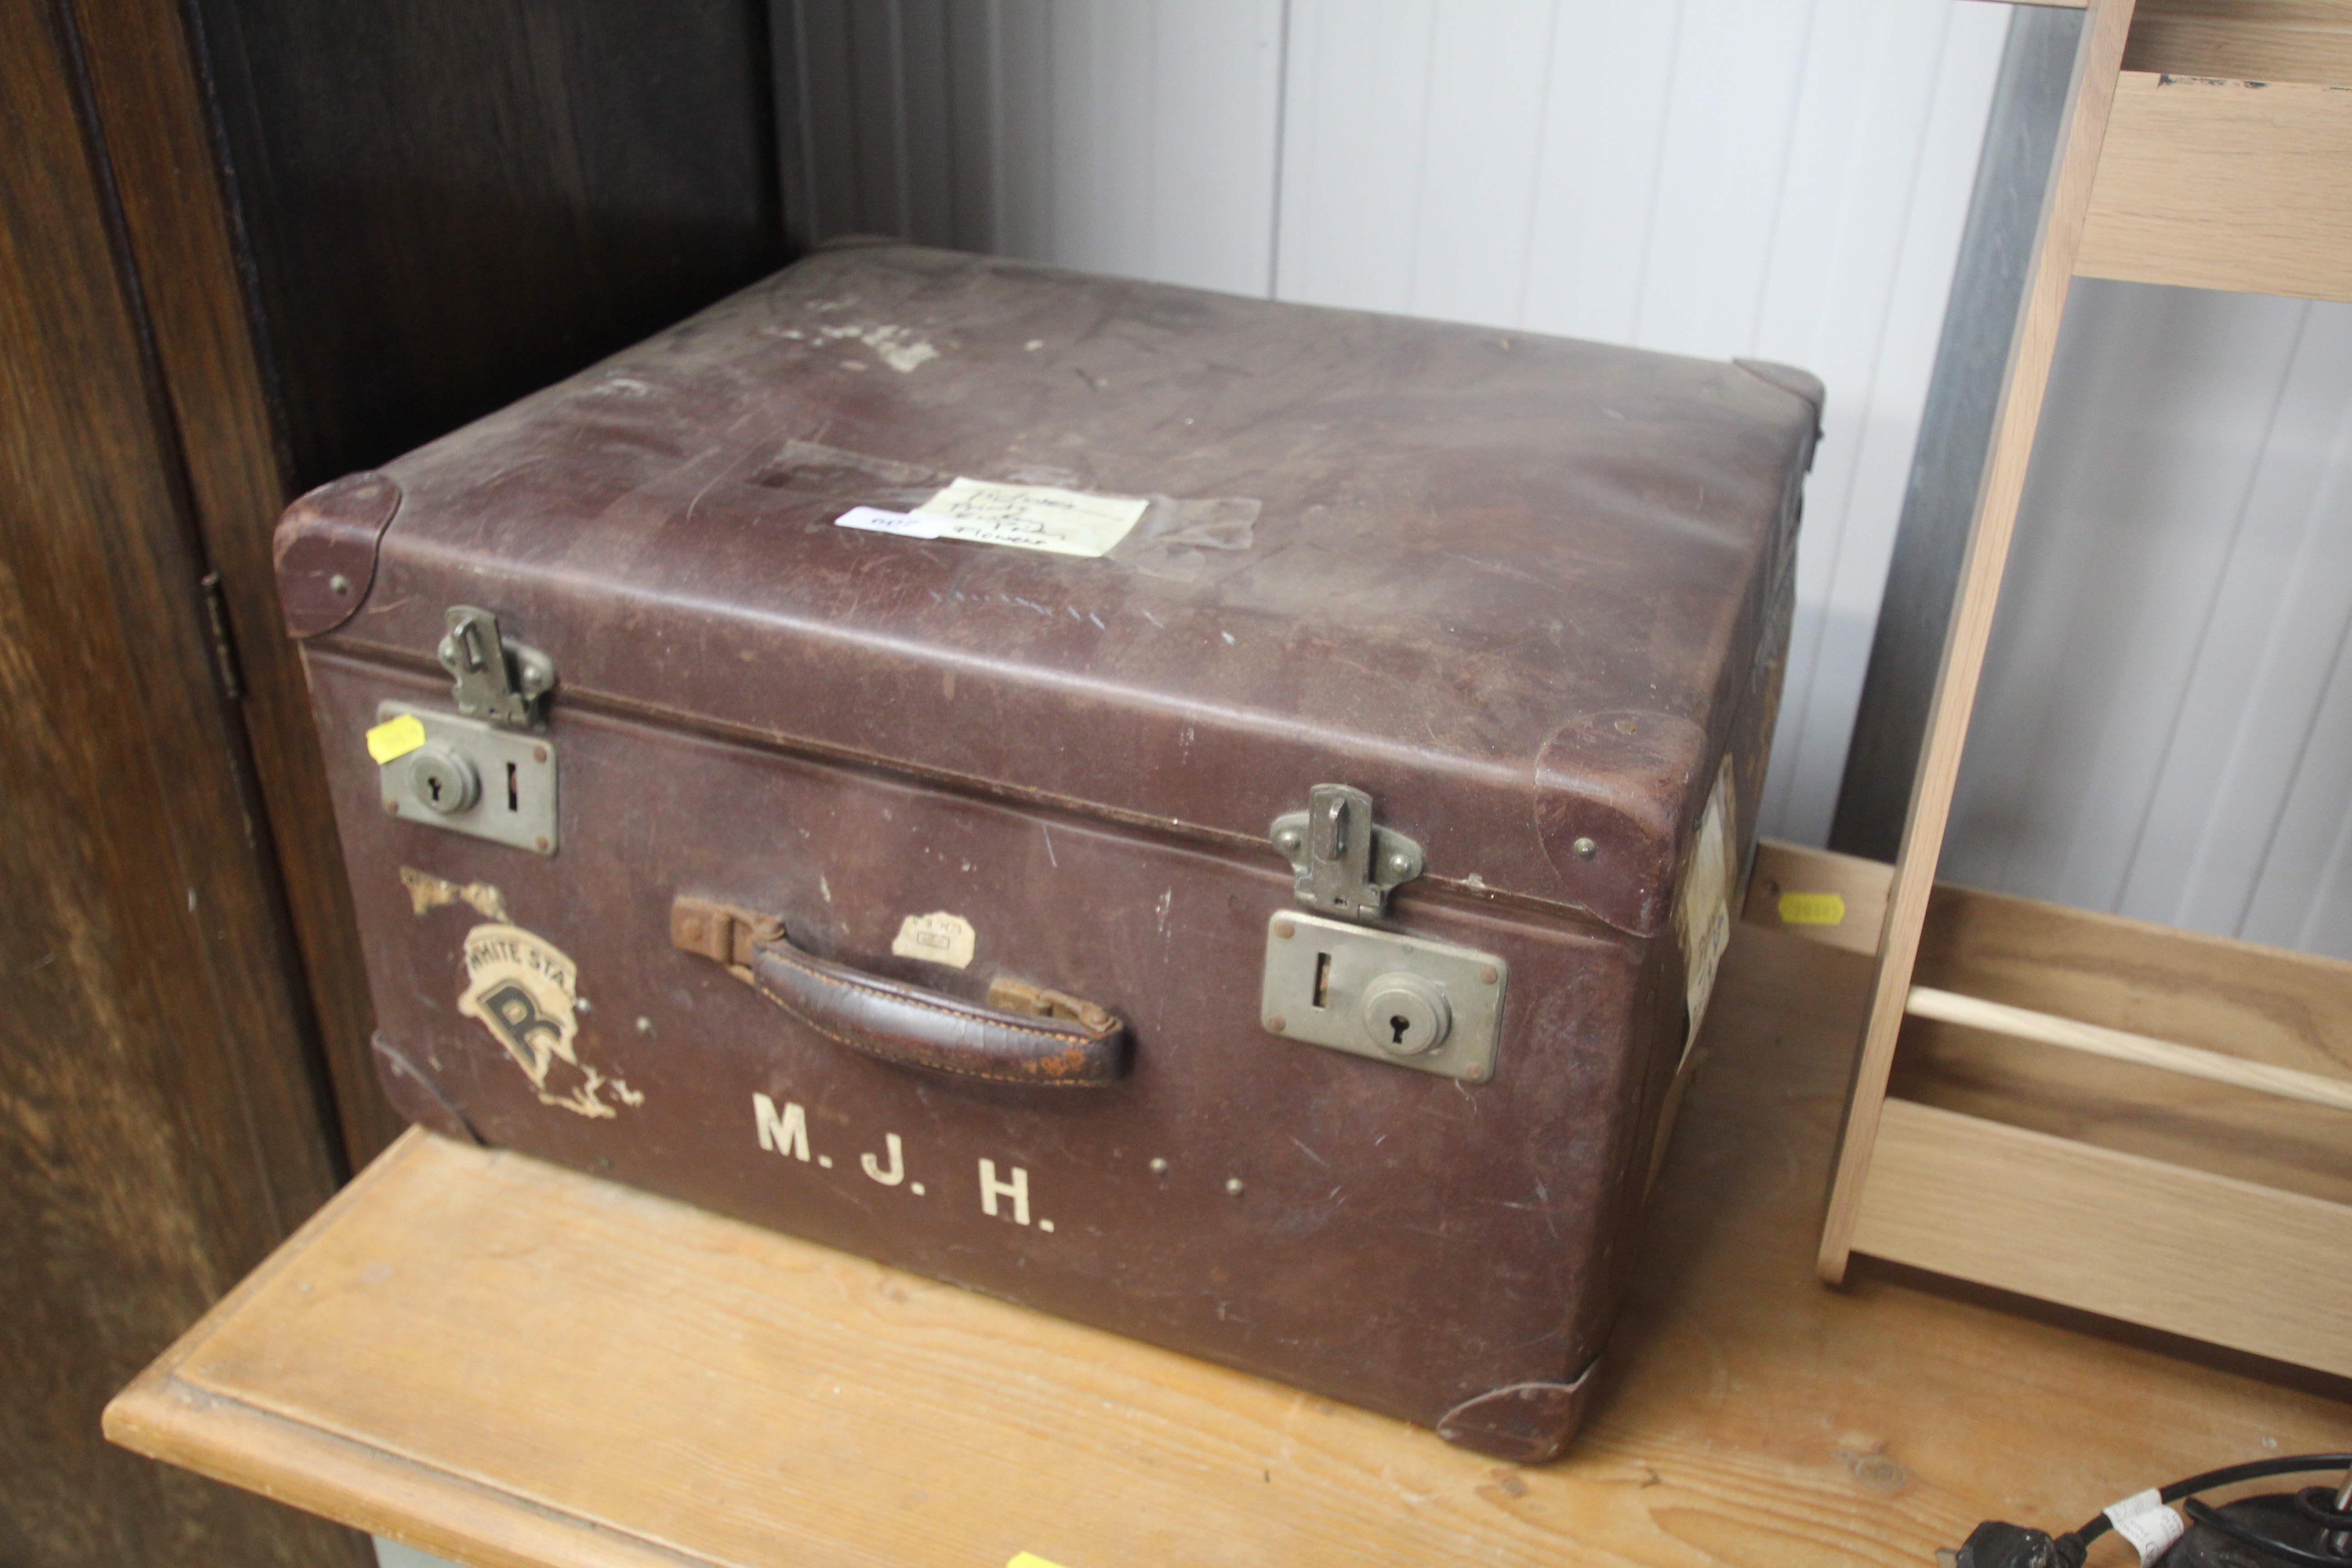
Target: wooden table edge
[364,1488]
[280,1258]
[165,1417]
[325,1473]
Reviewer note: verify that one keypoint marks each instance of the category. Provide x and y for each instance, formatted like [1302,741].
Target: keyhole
[1398,1025]
[434,785]
[511,804]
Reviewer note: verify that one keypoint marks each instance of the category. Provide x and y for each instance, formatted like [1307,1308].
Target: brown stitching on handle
[793,1012]
[793,958]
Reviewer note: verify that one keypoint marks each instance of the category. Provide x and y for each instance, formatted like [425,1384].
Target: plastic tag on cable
[2144,1519]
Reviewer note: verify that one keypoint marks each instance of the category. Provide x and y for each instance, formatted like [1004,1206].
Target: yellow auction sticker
[395,738]
[1813,909]
[1030,1560]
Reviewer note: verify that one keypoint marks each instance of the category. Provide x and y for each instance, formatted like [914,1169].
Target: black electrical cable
[2229,1475]
[2213,1519]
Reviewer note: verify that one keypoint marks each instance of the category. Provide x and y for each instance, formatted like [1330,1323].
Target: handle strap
[1026,1034]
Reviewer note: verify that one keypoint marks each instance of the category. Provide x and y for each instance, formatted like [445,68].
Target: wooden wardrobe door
[163,1116]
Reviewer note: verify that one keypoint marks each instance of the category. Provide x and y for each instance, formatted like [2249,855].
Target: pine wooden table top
[506,1364]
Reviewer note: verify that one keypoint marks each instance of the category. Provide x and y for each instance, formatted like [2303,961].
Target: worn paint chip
[898,347]
[395,738]
[427,891]
[938,938]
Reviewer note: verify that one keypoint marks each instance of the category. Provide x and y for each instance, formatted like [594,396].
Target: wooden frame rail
[2189,1166]
[2203,1189]
[2213,1258]
[2120,1044]
[2099,59]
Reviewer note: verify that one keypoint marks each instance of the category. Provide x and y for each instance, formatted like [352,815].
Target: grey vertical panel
[926,122]
[865,116]
[877,134]
[2305,896]
[1956,433]
[2239,731]
[2124,536]
[818,35]
[1022,94]
[794,174]
[974,31]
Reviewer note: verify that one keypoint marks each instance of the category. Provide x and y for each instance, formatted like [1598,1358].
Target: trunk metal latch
[498,679]
[1343,863]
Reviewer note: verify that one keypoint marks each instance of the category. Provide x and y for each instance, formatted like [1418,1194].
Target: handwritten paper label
[936,937]
[1028,517]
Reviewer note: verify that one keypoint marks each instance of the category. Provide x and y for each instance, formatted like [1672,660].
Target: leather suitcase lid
[1510,584]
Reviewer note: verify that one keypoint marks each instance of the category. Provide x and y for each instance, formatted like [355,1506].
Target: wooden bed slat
[2225,184]
[2049,1029]
[2243,40]
[2180,1250]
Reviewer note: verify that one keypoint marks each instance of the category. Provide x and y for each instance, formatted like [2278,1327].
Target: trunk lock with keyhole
[1406,1014]
[442,780]
[469,777]
[1393,996]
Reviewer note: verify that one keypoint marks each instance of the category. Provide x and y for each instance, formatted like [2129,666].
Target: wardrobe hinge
[224,646]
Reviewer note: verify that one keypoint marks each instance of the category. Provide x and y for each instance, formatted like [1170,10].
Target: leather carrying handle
[1027,1036]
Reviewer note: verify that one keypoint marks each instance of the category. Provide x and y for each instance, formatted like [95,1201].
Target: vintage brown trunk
[916,894]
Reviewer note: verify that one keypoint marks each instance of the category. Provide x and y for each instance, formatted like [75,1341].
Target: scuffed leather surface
[1471,553]
[331,532]
[1402,1241]
[1527,1423]
[1462,542]
[1618,780]
[415,1096]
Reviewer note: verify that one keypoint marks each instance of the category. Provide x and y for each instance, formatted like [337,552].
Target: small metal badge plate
[474,778]
[1397,998]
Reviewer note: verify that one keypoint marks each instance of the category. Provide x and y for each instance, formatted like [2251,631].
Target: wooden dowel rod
[2024,1023]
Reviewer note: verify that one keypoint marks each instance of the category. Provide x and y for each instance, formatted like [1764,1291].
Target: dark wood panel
[449,206]
[177,226]
[160,1125]
[359,227]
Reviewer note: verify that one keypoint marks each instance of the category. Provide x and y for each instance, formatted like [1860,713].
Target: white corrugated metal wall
[2166,725]
[1779,178]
